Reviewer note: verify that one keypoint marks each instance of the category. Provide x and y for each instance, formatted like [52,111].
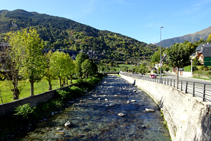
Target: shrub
[79,81]
[63,94]
[57,103]
[167,69]
[24,110]
[187,68]
[75,91]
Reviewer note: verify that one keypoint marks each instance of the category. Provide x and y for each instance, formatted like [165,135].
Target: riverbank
[11,125]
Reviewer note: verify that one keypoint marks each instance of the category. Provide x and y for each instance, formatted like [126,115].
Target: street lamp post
[160,55]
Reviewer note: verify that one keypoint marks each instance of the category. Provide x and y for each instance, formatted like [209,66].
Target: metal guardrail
[197,89]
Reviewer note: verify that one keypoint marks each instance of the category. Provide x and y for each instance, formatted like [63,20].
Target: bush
[24,110]
[187,68]
[75,91]
[79,81]
[63,94]
[167,69]
[57,103]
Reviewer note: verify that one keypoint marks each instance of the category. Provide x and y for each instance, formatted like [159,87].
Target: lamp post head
[161,27]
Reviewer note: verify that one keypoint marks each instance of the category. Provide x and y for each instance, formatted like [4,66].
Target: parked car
[153,76]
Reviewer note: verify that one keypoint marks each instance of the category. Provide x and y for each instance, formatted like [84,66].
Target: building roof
[202,45]
[206,51]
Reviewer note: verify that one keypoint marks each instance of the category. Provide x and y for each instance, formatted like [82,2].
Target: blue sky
[139,19]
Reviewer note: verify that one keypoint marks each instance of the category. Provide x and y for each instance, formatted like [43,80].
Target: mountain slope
[203,34]
[62,33]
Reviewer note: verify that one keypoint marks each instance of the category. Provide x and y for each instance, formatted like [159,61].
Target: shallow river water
[95,116]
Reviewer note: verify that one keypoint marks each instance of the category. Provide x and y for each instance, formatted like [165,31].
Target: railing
[197,89]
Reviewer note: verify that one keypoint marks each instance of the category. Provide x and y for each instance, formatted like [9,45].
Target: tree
[48,74]
[58,65]
[209,38]
[28,47]
[88,68]
[70,66]
[178,57]
[79,60]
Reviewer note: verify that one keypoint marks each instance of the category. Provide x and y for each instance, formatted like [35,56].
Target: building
[203,53]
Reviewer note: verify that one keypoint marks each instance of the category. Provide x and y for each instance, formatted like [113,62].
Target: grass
[201,78]
[39,87]
[123,65]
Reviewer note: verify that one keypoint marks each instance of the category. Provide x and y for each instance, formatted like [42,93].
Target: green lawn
[39,87]
[123,65]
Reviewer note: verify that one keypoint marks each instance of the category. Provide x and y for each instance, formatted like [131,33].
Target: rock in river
[149,110]
[121,114]
[68,124]
[111,104]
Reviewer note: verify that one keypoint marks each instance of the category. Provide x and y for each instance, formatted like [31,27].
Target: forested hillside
[62,33]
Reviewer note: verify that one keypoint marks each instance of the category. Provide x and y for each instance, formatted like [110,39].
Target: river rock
[149,110]
[134,91]
[133,100]
[98,99]
[128,102]
[111,104]
[68,124]
[121,114]
[143,126]
[106,99]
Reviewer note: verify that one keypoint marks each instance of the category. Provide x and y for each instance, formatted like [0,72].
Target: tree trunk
[50,85]
[71,79]
[15,89]
[67,81]
[16,93]
[60,82]
[63,83]
[32,88]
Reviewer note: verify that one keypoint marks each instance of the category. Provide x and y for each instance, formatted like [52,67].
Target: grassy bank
[39,87]
[19,124]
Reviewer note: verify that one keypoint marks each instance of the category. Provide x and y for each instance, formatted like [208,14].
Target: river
[95,116]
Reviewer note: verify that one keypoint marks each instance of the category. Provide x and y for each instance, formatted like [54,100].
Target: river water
[95,116]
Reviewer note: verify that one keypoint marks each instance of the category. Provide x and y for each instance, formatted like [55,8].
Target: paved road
[195,86]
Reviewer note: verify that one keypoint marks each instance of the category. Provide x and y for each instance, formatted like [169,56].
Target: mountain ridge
[62,33]
[192,37]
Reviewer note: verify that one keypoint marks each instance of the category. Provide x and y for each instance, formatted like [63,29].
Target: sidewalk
[193,79]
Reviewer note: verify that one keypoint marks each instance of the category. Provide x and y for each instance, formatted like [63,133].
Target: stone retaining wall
[188,118]
[32,100]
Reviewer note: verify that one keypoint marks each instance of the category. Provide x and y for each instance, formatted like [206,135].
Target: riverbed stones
[68,124]
[111,104]
[133,100]
[149,110]
[128,102]
[121,114]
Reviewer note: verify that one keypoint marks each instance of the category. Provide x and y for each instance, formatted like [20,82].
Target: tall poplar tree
[28,46]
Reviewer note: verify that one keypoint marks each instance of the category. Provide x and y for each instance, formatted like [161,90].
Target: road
[195,86]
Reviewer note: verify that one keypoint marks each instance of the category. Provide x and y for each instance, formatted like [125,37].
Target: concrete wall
[188,118]
[32,100]
[186,74]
